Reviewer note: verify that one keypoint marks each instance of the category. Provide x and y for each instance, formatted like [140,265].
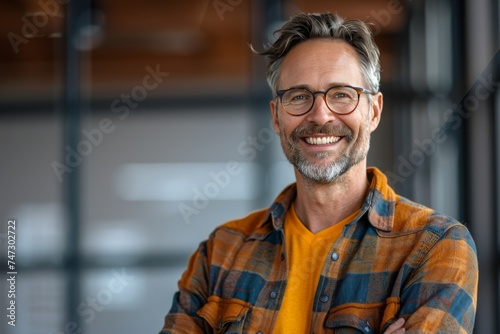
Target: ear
[274,114]
[376,110]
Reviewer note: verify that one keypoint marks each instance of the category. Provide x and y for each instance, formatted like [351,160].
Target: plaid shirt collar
[379,206]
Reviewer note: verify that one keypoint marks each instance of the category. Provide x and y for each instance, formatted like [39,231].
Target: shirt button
[324,298]
[335,256]
[273,294]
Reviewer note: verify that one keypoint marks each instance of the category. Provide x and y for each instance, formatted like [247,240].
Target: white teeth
[321,140]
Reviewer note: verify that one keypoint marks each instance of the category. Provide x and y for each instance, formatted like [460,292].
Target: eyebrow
[332,84]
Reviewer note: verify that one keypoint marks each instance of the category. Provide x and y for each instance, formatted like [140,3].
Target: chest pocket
[225,315]
[348,324]
[362,318]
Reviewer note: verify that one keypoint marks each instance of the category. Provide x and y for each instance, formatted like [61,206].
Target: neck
[320,206]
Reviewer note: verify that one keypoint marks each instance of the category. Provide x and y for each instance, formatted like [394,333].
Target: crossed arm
[439,297]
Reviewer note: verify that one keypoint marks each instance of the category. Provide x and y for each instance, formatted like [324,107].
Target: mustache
[326,129]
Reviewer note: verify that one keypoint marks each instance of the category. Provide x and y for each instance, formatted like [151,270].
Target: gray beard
[323,174]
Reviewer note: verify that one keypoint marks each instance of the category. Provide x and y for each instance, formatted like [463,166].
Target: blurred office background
[130,129]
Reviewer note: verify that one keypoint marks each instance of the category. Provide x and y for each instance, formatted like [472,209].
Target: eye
[339,95]
[297,96]
[300,97]
[342,94]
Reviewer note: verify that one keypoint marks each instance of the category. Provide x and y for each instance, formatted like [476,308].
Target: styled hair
[303,27]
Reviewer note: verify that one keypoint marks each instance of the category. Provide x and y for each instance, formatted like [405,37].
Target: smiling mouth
[321,140]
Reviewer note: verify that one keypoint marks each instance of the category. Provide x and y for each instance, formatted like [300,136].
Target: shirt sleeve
[441,294]
[191,296]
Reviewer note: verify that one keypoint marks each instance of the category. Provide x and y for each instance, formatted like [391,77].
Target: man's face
[323,145]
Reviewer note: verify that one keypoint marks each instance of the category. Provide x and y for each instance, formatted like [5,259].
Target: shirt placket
[334,263]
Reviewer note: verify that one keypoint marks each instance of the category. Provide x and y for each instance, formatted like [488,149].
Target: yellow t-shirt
[306,254]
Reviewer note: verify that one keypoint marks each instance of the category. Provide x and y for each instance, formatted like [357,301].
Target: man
[338,251]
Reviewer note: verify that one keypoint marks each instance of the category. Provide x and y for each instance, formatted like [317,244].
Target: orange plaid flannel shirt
[395,259]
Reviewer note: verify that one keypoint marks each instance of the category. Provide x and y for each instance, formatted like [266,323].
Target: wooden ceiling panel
[197,41]
[386,16]
[193,42]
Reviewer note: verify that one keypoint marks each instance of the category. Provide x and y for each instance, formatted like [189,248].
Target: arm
[440,296]
[192,295]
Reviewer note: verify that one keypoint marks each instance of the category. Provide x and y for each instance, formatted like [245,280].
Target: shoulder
[246,226]
[410,216]
[414,218]
[237,231]
[262,225]
[258,224]
[395,215]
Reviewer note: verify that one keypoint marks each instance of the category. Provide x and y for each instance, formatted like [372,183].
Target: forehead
[319,63]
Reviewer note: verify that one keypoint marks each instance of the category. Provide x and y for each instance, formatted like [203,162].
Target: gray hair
[303,27]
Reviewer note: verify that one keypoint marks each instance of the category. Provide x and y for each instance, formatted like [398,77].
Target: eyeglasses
[339,99]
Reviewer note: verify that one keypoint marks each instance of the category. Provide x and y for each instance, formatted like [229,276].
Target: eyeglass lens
[341,100]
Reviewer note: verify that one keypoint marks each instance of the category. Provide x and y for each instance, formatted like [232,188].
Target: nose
[320,113]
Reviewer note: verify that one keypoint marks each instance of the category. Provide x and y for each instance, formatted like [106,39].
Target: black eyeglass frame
[359,90]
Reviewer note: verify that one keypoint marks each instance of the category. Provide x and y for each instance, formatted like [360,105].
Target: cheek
[365,130]
[353,123]
[285,126]
[362,123]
